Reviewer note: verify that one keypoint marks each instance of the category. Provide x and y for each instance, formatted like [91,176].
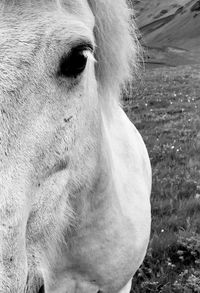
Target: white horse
[75,176]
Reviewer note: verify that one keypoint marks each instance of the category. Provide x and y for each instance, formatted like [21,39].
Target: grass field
[165,107]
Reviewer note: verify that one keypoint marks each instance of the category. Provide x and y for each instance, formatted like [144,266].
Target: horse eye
[74,63]
[41,289]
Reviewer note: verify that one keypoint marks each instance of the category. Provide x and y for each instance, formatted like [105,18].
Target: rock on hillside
[148,11]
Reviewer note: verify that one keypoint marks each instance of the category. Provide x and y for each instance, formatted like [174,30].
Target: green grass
[165,107]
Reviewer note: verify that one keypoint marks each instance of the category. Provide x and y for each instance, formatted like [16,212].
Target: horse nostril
[41,289]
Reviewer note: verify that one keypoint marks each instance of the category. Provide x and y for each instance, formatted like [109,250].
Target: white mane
[117,46]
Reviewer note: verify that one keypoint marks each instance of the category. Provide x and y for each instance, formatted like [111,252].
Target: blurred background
[165,106]
[170,30]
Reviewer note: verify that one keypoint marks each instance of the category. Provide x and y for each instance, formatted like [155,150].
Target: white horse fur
[75,176]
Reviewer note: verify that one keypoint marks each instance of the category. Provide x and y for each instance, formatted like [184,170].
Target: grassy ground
[166,109]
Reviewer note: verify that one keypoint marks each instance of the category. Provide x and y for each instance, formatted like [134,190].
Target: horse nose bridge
[13,260]
[13,221]
[13,197]
[13,257]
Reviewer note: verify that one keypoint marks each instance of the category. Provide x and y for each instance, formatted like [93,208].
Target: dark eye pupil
[41,289]
[73,64]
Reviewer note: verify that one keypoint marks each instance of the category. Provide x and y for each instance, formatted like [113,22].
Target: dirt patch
[162,12]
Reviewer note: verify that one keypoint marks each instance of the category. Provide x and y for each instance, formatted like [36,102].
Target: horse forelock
[117,45]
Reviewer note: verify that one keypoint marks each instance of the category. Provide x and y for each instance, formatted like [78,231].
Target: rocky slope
[170,30]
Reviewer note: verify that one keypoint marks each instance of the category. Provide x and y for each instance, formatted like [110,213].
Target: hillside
[170,30]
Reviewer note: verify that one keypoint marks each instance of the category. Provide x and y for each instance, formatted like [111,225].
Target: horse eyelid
[86,46]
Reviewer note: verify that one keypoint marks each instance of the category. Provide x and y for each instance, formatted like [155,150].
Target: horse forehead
[79,8]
